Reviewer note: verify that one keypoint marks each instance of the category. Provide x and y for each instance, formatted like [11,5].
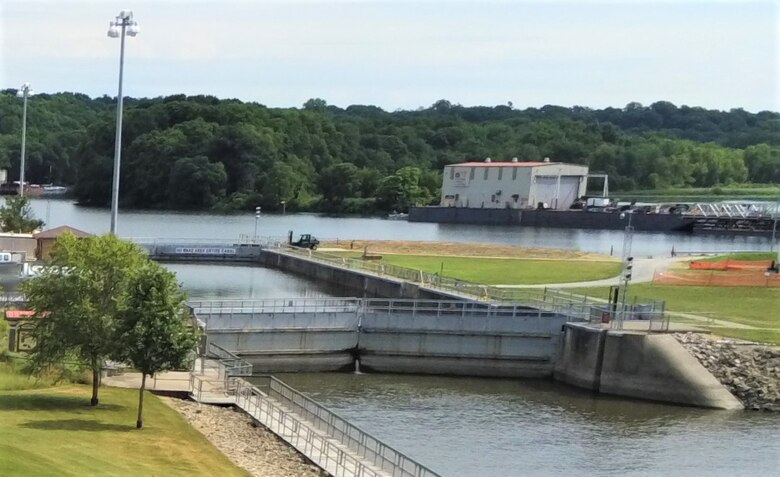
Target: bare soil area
[458,249]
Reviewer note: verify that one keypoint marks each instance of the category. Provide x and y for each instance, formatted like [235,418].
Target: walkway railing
[383,459]
[273,305]
[545,299]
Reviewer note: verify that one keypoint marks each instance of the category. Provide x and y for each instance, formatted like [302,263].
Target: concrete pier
[638,365]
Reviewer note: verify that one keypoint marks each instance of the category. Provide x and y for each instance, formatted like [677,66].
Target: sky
[718,54]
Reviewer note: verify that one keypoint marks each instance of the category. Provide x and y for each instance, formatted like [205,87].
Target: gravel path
[247,444]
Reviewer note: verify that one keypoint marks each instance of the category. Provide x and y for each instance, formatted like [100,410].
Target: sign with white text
[205,251]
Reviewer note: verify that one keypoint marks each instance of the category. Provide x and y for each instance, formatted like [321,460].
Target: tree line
[200,152]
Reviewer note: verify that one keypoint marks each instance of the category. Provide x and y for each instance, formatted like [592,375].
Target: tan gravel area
[457,249]
[247,444]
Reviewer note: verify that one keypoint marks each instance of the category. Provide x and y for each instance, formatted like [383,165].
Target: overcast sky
[397,54]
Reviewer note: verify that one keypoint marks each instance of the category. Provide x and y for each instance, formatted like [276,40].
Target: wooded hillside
[199,152]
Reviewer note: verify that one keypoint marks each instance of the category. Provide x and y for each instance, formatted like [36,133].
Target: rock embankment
[751,372]
[247,444]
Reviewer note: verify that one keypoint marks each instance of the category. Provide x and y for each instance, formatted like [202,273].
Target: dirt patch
[459,249]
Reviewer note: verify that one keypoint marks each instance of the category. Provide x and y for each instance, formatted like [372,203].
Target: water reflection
[223,282]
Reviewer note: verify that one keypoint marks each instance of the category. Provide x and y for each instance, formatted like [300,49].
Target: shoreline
[246,443]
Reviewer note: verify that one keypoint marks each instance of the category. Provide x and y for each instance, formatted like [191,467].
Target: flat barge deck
[581,219]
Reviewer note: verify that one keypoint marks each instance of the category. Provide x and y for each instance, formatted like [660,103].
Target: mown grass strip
[54,431]
[753,306]
[506,271]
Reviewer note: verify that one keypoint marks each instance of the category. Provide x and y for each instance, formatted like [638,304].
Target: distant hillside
[199,152]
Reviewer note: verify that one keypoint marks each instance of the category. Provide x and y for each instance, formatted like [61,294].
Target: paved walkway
[643,272]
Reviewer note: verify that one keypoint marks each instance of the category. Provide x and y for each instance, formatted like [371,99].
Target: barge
[584,219]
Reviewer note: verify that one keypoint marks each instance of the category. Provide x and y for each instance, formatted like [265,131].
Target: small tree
[153,332]
[17,215]
[77,299]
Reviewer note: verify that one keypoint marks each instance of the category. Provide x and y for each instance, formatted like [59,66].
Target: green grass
[768,192]
[741,256]
[753,306]
[508,271]
[54,431]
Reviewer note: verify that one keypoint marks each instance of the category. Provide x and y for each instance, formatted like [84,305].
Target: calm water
[466,427]
[191,225]
[487,427]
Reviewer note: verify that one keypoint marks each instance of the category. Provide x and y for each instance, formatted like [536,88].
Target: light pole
[257,217]
[284,207]
[128,27]
[24,92]
[628,265]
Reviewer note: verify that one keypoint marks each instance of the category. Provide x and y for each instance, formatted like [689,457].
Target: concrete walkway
[643,272]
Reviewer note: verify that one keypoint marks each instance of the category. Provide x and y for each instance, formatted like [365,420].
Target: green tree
[401,190]
[77,298]
[196,182]
[153,332]
[17,215]
[339,181]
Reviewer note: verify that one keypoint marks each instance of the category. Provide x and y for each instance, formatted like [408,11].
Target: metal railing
[273,305]
[231,364]
[323,451]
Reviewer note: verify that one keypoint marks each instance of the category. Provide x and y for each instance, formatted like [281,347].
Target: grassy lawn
[507,271]
[753,306]
[53,431]
[768,192]
[741,256]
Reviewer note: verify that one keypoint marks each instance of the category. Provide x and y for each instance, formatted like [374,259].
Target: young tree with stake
[153,329]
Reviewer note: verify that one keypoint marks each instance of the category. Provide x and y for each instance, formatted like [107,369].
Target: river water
[202,225]
[469,427]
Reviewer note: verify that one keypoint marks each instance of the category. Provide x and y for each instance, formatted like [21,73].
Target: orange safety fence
[716,279]
[732,265]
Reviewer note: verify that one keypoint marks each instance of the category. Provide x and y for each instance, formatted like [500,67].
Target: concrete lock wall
[657,367]
[354,281]
[459,345]
[288,342]
[638,365]
[522,346]
[581,353]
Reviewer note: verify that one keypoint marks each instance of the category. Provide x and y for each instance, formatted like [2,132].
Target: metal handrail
[544,299]
[274,305]
[380,455]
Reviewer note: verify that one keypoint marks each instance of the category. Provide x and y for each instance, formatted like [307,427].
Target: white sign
[461,177]
[205,251]
[5,257]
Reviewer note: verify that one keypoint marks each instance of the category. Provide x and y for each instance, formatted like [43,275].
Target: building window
[514,173]
[452,173]
[471,174]
[500,173]
[485,176]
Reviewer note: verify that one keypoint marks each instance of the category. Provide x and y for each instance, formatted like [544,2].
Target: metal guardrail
[204,308]
[232,364]
[324,452]
[545,299]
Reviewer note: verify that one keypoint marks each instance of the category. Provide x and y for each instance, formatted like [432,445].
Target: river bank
[751,372]
[247,444]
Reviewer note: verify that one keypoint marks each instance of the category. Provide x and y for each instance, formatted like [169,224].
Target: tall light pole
[628,265]
[257,217]
[24,92]
[128,27]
